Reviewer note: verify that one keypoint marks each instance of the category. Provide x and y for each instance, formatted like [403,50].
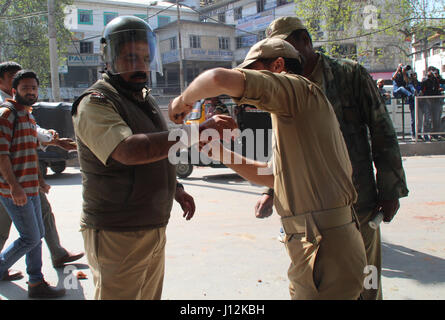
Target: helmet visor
[131,51]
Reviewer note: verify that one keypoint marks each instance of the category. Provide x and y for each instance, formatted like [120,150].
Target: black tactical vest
[118,197]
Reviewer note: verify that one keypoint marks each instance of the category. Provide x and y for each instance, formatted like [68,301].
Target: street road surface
[224,252]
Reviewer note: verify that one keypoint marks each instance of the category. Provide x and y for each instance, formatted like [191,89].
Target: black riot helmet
[129,45]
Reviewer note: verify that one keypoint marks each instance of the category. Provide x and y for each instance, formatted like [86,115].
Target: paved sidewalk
[226,253]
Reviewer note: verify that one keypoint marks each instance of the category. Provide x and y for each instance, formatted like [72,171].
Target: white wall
[436,60]
[96,29]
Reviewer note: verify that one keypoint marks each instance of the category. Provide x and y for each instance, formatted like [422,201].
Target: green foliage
[24,34]
[334,23]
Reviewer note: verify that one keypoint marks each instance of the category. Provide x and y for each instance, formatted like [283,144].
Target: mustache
[139,75]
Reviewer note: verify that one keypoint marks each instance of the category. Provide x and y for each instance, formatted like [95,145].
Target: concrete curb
[409,149]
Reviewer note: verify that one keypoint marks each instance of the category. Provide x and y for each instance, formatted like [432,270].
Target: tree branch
[5,7]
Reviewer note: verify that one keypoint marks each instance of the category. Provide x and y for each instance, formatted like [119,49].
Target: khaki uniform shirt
[312,170]
[100,127]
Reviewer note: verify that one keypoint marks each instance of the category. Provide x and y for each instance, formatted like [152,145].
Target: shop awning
[382,75]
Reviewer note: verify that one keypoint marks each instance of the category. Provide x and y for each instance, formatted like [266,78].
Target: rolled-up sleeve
[272,92]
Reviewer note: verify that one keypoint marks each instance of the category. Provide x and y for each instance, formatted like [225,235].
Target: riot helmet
[128,44]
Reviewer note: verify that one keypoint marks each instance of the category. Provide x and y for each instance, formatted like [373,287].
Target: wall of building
[434,57]
[378,55]
[83,68]
[195,60]
[243,31]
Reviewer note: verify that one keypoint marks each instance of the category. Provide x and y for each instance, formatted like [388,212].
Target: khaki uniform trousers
[327,255]
[126,265]
[373,247]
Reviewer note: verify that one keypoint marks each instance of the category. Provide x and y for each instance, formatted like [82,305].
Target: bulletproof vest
[121,197]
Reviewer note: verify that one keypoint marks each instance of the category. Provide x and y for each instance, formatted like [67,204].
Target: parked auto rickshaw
[247,117]
[198,114]
[57,116]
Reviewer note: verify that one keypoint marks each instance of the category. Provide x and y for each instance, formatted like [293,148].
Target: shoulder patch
[98,97]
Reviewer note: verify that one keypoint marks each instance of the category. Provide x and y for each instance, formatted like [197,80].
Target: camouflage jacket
[368,132]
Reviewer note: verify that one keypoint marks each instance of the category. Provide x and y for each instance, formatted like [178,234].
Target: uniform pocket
[303,255]
[303,252]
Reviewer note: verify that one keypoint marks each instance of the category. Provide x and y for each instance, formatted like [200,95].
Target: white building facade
[251,18]
[87,19]
[205,45]
[215,35]
[432,55]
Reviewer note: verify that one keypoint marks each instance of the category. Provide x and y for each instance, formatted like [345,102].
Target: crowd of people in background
[429,112]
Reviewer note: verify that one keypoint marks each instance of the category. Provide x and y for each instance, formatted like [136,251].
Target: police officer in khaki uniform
[128,182]
[312,174]
[359,109]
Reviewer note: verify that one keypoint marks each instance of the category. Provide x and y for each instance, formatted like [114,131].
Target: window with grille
[260,4]
[238,13]
[195,41]
[85,16]
[222,17]
[224,43]
[238,42]
[86,47]
[173,43]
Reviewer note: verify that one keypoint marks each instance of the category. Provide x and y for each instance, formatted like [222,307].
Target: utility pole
[53,58]
[181,67]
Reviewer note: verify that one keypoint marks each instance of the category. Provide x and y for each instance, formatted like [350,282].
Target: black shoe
[11,275]
[69,257]
[44,291]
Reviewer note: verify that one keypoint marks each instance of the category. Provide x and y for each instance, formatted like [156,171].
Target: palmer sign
[83,60]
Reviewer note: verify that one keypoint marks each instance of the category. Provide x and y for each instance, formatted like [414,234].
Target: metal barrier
[428,119]
[398,110]
[400,114]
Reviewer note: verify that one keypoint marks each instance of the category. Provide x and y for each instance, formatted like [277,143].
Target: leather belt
[325,219]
